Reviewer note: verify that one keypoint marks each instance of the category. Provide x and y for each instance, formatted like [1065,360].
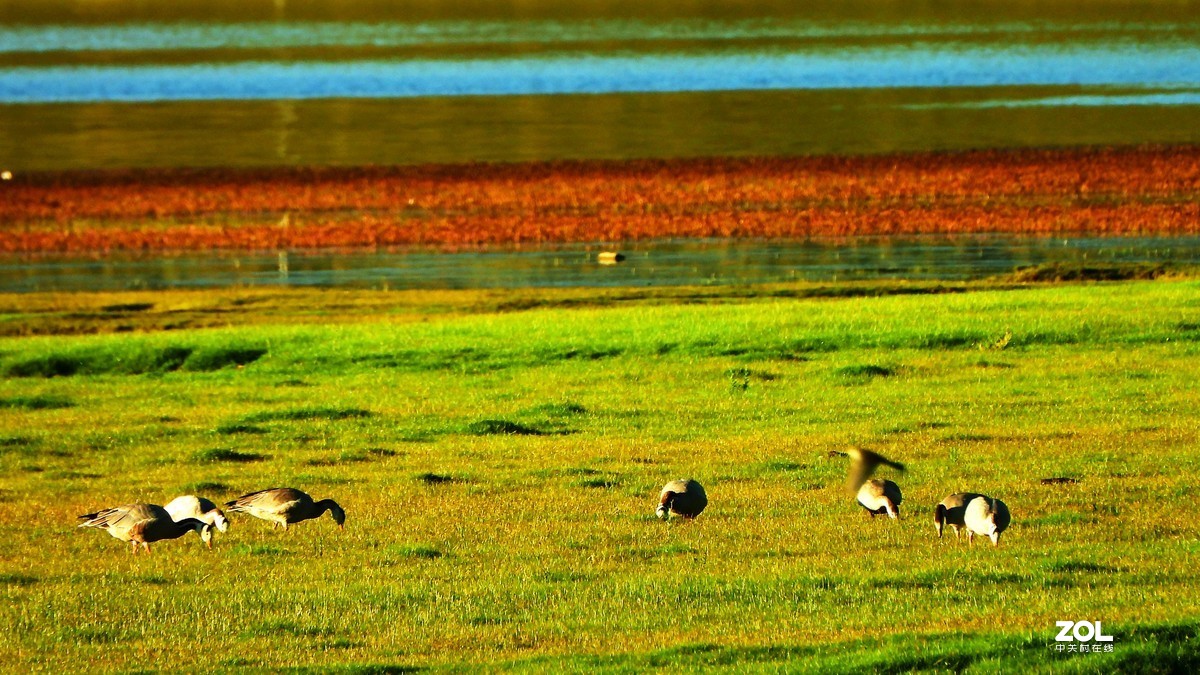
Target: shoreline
[1149,190]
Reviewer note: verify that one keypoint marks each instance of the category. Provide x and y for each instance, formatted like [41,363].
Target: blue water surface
[1153,68]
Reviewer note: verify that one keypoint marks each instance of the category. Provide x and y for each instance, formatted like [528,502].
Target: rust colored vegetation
[1095,191]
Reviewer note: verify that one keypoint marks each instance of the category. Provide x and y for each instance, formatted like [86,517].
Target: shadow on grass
[497,427]
[227,455]
[863,373]
[1167,648]
[240,428]
[133,359]
[305,414]
[41,402]
[357,669]
[206,486]
[18,580]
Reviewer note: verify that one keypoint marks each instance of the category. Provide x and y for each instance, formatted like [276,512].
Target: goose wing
[123,522]
[272,501]
[863,464]
[117,517]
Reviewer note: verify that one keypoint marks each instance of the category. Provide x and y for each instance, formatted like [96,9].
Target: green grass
[499,468]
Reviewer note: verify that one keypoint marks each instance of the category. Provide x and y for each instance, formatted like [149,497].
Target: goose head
[991,529]
[339,515]
[204,530]
[663,510]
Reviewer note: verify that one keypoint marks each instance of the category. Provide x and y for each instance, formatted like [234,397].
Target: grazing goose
[284,506]
[684,498]
[986,516]
[863,464]
[952,511]
[144,524]
[191,506]
[880,496]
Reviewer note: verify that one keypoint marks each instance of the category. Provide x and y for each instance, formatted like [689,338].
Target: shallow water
[645,264]
[1166,74]
[86,85]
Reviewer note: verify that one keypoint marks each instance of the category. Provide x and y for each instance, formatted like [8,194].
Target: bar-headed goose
[285,506]
[952,511]
[683,497]
[863,463]
[987,517]
[191,506]
[144,524]
[880,496]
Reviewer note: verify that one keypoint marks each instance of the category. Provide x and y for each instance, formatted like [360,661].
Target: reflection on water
[645,264]
[530,128]
[219,82]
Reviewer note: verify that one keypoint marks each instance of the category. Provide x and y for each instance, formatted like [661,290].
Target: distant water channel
[644,264]
[87,84]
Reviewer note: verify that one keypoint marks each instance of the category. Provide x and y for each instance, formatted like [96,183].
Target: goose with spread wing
[144,524]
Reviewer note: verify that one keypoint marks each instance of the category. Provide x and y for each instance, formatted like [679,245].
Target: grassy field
[499,457]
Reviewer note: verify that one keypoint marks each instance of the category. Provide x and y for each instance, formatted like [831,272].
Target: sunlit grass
[499,472]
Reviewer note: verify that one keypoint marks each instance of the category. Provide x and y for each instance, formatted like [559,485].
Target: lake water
[645,264]
[86,84]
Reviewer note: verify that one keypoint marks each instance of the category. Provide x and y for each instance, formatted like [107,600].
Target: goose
[987,517]
[951,511]
[191,506]
[863,464]
[285,506]
[683,497]
[880,496]
[144,524]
